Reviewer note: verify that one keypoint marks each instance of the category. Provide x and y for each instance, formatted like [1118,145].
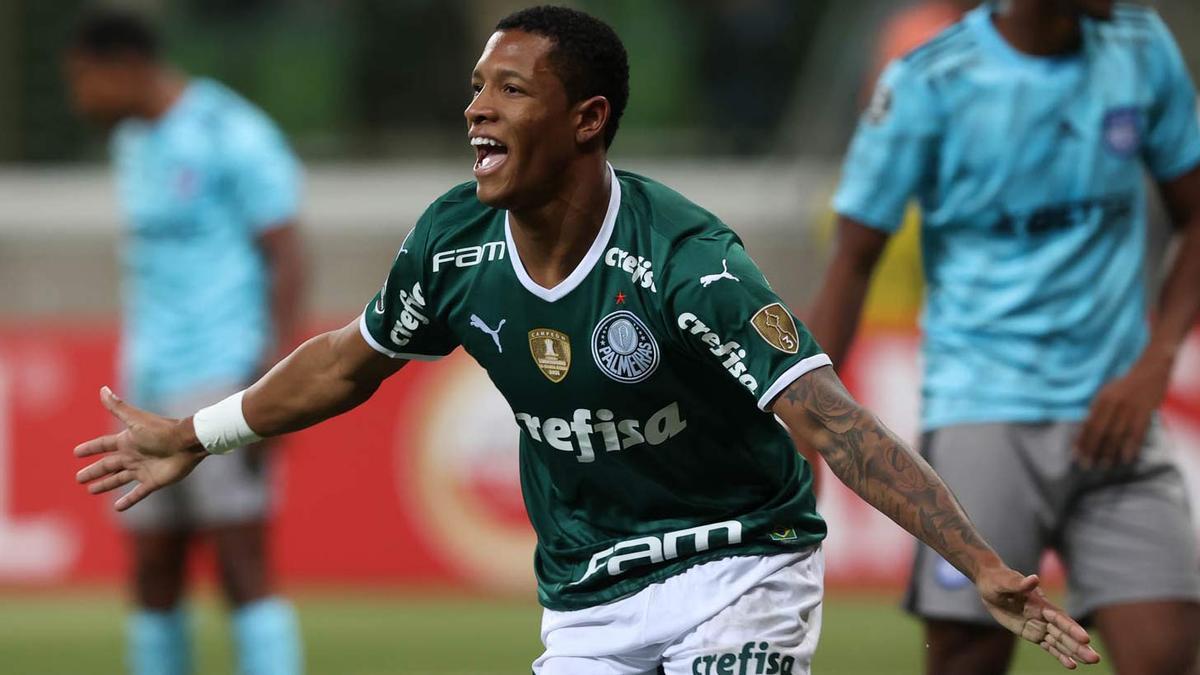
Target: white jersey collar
[585,266]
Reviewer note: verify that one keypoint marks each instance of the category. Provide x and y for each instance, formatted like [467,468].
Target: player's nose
[480,109]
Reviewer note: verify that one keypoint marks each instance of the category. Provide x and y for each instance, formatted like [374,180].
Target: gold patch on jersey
[551,352]
[774,323]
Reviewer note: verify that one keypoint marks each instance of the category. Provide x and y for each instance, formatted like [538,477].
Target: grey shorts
[223,490]
[1124,534]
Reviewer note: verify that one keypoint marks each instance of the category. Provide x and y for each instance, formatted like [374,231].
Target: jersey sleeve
[889,156]
[1172,145]
[725,313]
[264,173]
[402,320]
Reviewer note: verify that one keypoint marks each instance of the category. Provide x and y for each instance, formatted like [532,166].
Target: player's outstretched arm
[883,470]
[326,376]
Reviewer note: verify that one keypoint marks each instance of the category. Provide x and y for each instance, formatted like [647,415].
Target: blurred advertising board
[418,487]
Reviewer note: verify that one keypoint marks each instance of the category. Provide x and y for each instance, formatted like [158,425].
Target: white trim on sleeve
[791,375]
[362,328]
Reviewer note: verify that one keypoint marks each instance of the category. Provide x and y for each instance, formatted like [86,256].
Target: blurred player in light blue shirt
[1024,132]
[212,278]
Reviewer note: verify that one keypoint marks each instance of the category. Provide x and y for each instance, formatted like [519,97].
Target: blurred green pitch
[364,632]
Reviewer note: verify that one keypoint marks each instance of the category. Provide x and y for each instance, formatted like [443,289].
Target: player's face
[520,122]
[1096,9]
[101,89]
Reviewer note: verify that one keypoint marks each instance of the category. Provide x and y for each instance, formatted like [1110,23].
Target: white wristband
[222,427]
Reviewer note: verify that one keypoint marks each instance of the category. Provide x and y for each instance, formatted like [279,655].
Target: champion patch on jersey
[1123,131]
[774,324]
[624,348]
[551,352]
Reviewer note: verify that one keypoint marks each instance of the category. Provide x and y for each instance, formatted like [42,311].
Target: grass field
[359,632]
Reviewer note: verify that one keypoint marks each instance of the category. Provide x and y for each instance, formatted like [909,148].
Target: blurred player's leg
[265,630]
[960,647]
[988,467]
[1146,638]
[158,631]
[1132,565]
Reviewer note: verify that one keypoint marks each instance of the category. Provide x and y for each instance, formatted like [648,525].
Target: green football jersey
[637,384]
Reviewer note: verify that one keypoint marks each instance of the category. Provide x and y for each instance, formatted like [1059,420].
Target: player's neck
[1039,28]
[165,89]
[554,237]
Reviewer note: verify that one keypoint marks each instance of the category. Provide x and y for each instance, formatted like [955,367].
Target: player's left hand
[1021,607]
[1120,415]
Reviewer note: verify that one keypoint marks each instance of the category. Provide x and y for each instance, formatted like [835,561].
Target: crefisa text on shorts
[753,659]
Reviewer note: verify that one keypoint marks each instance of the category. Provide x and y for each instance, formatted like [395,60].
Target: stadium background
[401,531]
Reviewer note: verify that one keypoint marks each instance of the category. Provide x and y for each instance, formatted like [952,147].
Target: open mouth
[489,154]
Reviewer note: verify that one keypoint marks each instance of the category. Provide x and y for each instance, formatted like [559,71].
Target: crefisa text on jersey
[731,352]
[411,317]
[637,266]
[576,435]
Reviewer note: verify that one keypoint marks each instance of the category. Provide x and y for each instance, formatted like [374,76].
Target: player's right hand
[152,450]
[1016,602]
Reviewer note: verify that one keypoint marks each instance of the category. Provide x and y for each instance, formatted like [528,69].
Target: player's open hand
[1021,607]
[151,451]
[1120,415]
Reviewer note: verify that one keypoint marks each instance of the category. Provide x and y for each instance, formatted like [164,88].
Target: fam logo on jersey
[638,267]
[1123,131]
[730,353]
[774,323]
[651,550]
[551,352]
[623,347]
[469,256]
[754,659]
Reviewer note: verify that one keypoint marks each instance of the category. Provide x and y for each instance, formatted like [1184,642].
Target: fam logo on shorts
[623,347]
[774,324]
[756,659]
[551,352]
[1123,131]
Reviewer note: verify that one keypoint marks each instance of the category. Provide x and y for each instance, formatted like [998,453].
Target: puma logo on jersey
[411,315]
[709,279]
[637,266]
[469,256]
[653,549]
[576,435]
[731,353]
[477,322]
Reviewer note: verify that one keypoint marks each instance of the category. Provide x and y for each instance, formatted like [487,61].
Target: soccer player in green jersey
[645,358]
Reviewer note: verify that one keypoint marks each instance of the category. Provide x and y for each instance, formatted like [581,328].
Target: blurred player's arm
[879,467]
[834,315]
[1121,413]
[287,271]
[325,377]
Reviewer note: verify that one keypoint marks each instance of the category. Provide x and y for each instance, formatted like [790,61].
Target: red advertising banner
[419,486]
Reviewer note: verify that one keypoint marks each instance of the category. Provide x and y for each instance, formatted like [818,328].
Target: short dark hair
[588,55]
[107,32]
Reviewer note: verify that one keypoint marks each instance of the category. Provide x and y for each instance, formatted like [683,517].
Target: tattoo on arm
[882,469]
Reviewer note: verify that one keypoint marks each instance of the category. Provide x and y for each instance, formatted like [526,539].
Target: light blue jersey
[1029,174]
[199,186]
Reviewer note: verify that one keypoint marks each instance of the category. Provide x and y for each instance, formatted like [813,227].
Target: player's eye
[512,89]
[476,88]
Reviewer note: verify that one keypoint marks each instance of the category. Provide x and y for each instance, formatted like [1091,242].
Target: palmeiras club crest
[623,347]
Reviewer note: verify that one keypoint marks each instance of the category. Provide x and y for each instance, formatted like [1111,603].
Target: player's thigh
[1129,535]
[987,468]
[159,567]
[773,628]
[242,561]
[1152,637]
[598,665]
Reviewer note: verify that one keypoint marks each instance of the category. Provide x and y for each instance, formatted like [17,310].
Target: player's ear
[591,118]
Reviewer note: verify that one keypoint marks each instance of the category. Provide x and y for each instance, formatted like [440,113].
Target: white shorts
[747,615]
